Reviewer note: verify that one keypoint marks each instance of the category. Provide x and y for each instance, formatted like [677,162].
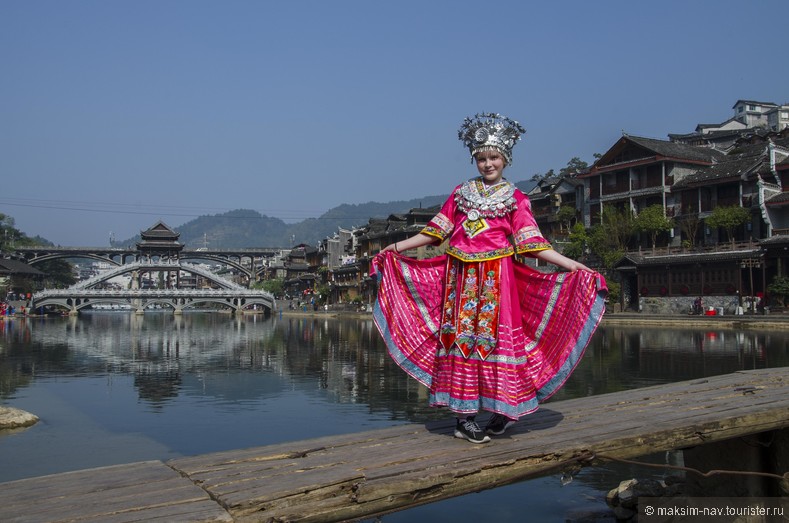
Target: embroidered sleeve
[441,226]
[526,234]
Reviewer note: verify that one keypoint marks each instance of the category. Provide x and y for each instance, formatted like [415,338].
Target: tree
[275,286]
[608,239]
[7,232]
[59,273]
[653,221]
[779,289]
[539,177]
[576,248]
[574,166]
[619,224]
[566,215]
[728,219]
[603,245]
[689,224]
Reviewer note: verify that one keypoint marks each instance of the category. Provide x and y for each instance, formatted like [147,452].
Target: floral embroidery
[470,321]
[480,256]
[442,222]
[467,311]
[488,315]
[448,320]
[440,227]
[525,233]
[436,233]
[531,247]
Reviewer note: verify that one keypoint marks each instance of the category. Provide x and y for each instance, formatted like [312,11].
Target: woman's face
[490,165]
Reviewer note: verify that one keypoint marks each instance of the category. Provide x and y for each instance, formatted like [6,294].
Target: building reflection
[238,359]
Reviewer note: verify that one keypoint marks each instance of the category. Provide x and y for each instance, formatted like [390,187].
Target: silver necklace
[476,200]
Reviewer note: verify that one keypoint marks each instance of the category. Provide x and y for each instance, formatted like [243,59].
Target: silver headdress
[488,131]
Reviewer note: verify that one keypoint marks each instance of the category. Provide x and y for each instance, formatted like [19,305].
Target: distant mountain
[244,228]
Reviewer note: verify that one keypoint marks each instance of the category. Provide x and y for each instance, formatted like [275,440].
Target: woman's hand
[577,266]
[551,256]
[414,242]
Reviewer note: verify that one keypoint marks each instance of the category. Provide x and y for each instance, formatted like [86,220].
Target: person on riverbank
[477,326]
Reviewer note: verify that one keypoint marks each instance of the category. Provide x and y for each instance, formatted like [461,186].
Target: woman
[481,329]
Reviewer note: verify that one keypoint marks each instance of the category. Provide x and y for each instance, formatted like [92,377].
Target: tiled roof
[742,160]
[643,260]
[160,229]
[778,239]
[723,170]
[676,150]
[751,102]
[8,266]
[650,147]
[782,198]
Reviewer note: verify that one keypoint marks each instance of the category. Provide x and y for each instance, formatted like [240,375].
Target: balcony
[699,249]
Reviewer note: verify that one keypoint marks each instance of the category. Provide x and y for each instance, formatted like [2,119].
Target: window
[740,108]
[753,107]
[785,115]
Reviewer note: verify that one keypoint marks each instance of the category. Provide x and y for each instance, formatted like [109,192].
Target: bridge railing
[93,280]
[167,265]
[146,293]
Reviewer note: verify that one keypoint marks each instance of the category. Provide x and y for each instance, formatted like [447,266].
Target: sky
[117,114]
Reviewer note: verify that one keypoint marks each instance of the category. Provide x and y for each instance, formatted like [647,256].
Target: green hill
[244,228]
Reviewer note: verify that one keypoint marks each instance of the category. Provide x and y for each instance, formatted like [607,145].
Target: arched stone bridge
[75,299]
[245,261]
[84,294]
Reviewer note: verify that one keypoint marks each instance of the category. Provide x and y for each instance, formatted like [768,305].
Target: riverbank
[627,319]
[747,321]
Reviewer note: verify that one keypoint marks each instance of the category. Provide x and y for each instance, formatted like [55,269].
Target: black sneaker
[469,430]
[498,424]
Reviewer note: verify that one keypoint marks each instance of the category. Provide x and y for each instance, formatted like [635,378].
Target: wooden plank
[428,465]
[288,450]
[134,492]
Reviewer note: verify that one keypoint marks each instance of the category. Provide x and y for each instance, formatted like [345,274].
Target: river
[114,388]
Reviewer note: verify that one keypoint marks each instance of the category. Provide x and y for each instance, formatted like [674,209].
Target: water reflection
[229,359]
[207,355]
[113,387]
[627,358]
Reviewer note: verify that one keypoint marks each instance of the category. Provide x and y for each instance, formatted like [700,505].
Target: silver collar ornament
[490,131]
[477,200]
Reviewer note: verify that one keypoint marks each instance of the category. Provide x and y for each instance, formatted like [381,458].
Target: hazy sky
[114,114]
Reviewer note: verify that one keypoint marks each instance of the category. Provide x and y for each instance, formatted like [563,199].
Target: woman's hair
[489,148]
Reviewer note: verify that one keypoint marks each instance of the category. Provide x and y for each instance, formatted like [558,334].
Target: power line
[136,209]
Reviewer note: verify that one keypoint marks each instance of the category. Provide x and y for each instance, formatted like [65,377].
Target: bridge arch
[237,265]
[75,299]
[246,262]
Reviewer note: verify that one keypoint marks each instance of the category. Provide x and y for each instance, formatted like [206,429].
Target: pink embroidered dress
[480,329]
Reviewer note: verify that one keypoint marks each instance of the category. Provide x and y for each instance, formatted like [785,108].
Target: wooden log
[143,491]
[383,471]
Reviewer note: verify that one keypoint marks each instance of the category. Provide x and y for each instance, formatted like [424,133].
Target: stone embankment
[626,319]
[11,418]
[745,321]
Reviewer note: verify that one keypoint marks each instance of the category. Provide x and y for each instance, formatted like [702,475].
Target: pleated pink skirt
[545,323]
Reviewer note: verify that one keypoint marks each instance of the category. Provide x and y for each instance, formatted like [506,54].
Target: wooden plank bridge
[370,473]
